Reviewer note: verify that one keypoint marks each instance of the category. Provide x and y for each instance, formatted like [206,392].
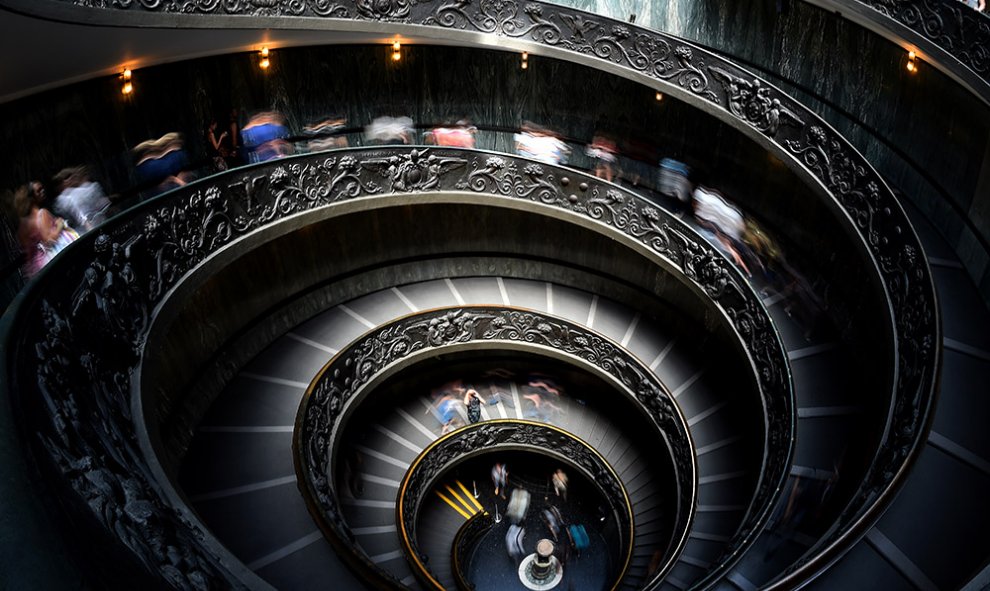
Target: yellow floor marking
[463,503]
[453,505]
[469,495]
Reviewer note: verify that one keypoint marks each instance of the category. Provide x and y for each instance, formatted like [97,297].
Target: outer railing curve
[501,434]
[76,336]
[794,132]
[346,378]
[464,542]
[948,34]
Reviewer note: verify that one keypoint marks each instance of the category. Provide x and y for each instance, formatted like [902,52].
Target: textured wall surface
[90,122]
[923,132]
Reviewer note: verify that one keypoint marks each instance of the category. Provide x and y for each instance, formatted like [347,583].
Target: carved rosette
[492,436]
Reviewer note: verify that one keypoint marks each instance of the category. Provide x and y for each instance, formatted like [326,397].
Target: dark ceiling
[40,54]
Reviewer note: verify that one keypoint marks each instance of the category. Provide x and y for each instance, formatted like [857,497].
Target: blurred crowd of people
[45,226]
[743,240]
[557,519]
[458,403]
[167,162]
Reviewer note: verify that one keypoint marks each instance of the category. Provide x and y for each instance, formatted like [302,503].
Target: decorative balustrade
[464,545]
[713,83]
[343,381]
[76,336]
[493,436]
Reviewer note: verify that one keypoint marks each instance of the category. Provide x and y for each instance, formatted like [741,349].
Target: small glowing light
[525,55]
[396,56]
[525,65]
[912,55]
[126,87]
[659,96]
[264,62]
[396,46]
[911,67]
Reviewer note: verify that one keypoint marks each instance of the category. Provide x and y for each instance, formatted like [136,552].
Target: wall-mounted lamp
[912,65]
[525,60]
[126,86]
[263,61]
[659,96]
[396,51]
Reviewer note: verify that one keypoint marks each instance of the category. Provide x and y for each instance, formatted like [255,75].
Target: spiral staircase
[230,386]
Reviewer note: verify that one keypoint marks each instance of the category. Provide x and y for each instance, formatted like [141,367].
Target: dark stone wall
[924,133]
[92,123]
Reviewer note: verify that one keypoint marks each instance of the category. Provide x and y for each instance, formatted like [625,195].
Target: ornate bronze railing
[950,35]
[505,434]
[349,376]
[76,337]
[792,131]
[465,542]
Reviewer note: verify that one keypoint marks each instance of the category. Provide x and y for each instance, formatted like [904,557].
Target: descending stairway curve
[238,475]
[242,454]
[938,521]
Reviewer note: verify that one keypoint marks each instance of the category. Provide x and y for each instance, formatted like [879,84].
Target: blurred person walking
[81,201]
[560,483]
[41,234]
[514,539]
[500,476]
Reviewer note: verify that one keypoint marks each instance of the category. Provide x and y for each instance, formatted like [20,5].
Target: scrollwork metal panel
[491,436]
[960,34]
[705,79]
[80,331]
[335,389]
[960,31]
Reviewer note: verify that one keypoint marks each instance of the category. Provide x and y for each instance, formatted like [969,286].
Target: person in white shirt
[81,200]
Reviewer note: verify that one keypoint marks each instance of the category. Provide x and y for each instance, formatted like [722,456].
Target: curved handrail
[792,131]
[946,33]
[76,335]
[465,540]
[500,434]
[354,371]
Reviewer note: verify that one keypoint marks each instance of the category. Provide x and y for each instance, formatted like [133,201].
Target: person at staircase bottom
[514,539]
[560,483]
[500,477]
